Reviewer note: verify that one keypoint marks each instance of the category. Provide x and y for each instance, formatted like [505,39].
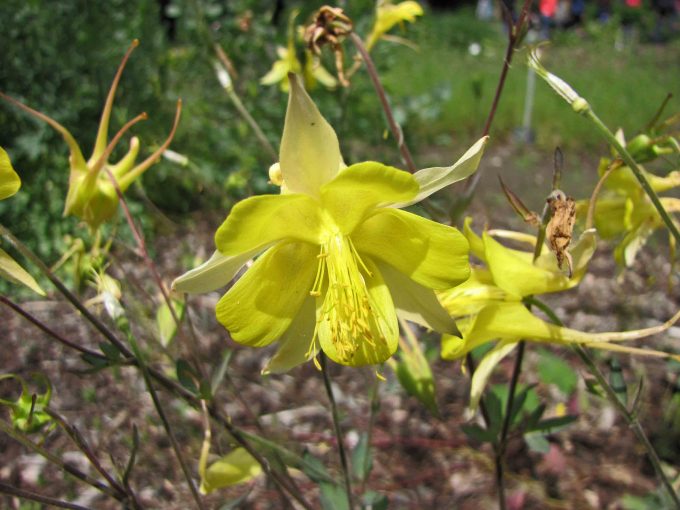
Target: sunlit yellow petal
[258,221]
[261,306]
[294,344]
[361,188]
[310,152]
[9,180]
[432,254]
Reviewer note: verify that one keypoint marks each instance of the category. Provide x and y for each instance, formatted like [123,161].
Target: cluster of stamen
[346,307]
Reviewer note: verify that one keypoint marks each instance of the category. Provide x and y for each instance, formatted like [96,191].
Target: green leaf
[27,412]
[110,351]
[362,461]
[551,425]
[12,271]
[414,372]
[479,434]
[167,327]
[372,500]
[333,497]
[554,370]
[537,442]
[187,376]
[9,180]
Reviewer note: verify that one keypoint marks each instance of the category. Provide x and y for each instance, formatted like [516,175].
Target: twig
[514,33]
[169,384]
[34,496]
[380,91]
[166,424]
[613,398]
[338,432]
[81,443]
[46,329]
[75,472]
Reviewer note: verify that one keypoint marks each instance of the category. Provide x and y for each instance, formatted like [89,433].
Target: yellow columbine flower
[338,256]
[489,307]
[91,195]
[9,268]
[387,15]
[624,209]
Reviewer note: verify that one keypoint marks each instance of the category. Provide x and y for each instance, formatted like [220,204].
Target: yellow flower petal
[214,273]
[360,188]
[236,467]
[432,254]
[431,180]
[310,152]
[12,271]
[374,338]
[258,221]
[9,180]
[417,303]
[261,306]
[295,342]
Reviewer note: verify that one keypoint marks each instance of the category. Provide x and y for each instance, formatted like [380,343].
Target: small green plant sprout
[10,270]
[492,304]
[387,15]
[339,257]
[92,194]
[312,71]
[28,412]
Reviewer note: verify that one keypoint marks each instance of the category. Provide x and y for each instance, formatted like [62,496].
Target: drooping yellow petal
[485,369]
[310,152]
[513,321]
[12,271]
[258,221]
[9,180]
[514,271]
[262,304]
[471,296]
[236,467]
[417,303]
[476,243]
[432,254]
[294,344]
[356,321]
[214,273]
[431,180]
[361,188]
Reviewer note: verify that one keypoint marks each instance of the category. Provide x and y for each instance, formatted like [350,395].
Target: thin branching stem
[382,96]
[166,423]
[169,384]
[515,31]
[637,171]
[48,330]
[336,427]
[39,498]
[21,438]
[610,393]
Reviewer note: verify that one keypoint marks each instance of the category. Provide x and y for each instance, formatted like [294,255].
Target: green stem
[166,424]
[628,159]
[67,468]
[169,384]
[613,398]
[39,498]
[336,427]
[380,91]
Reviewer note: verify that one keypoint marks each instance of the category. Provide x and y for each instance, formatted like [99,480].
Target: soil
[418,461]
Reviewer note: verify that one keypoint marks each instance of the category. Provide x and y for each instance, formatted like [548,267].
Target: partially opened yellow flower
[624,210]
[489,306]
[387,15]
[338,256]
[91,195]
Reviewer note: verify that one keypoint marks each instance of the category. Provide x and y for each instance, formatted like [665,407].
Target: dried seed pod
[561,226]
